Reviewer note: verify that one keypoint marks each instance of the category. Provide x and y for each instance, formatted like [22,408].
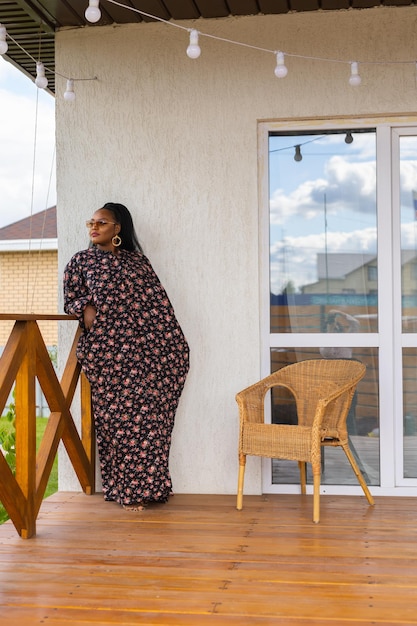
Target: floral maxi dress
[136,359]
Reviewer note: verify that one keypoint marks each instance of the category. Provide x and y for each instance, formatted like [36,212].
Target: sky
[327,202]
[333,184]
[27,141]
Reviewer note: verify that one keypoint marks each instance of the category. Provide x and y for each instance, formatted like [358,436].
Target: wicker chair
[323,390]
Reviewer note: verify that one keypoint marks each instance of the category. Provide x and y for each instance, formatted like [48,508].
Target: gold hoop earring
[116,241]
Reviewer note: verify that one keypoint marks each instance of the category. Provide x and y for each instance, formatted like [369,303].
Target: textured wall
[176,141]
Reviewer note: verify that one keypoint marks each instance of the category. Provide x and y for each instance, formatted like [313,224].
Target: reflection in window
[323,237]
[408,201]
[410,412]
[362,422]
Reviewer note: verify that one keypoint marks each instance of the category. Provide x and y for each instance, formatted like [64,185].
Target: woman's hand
[89,316]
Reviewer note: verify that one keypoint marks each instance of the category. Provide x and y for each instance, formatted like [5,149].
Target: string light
[193,50]
[92,12]
[281,70]
[3,43]
[40,81]
[69,94]
[354,79]
[298,156]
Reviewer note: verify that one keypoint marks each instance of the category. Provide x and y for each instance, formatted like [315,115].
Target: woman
[133,353]
[340,322]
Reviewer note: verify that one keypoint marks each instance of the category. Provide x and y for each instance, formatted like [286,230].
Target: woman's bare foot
[135,506]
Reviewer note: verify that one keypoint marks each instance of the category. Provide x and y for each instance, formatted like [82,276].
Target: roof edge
[28,245]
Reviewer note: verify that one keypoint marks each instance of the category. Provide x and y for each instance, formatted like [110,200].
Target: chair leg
[303,480]
[242,465]
[316,492]
[358,473]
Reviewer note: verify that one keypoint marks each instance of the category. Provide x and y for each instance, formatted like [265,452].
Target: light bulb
[298,156]
[92,12]
[40,81]
[354,79]
[3,43]
[348,138]
[69,94]
[193,50]
[280,70]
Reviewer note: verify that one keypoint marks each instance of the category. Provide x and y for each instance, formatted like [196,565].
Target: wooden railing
[25,358]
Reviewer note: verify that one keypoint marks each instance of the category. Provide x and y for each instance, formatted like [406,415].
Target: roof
[340,264]
[38,226]
[335,265]
[33,24]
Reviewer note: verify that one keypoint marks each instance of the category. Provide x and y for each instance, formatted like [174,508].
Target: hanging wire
[47,69]
[299,145]
[30,266]
[32,201]
[42,236]
[245,45]
[225,40]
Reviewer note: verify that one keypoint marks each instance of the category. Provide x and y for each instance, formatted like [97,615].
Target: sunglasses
[97,223]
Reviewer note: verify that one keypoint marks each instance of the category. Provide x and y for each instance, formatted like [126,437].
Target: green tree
[288,288]
[8,446]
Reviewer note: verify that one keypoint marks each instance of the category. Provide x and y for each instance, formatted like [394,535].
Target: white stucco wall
[176,141]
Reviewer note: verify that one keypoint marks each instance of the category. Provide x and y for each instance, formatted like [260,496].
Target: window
[339,241]
[323,232]
[323,276]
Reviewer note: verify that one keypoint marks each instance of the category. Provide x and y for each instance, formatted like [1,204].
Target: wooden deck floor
[197,560]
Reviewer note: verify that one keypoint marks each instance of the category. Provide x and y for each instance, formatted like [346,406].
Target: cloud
[295,258]
[352,184]
[408,178]
[347,186]
[340,194]
[27,158]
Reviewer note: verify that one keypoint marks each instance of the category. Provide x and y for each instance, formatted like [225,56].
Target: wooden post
[87,429]
[24,359]
[25,402]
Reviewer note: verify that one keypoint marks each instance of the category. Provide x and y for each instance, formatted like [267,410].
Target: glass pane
[408,197]
[410,412]
[323,236]
[362,423]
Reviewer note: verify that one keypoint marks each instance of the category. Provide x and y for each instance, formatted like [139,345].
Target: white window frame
[387,341]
